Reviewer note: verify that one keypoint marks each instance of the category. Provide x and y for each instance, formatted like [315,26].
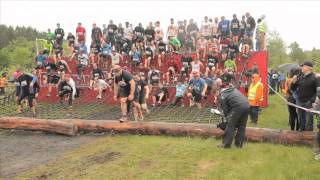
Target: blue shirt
[180,89]
[224,25]
[136,56]
[197,85]
[107,49]
[40,59]
[84,48]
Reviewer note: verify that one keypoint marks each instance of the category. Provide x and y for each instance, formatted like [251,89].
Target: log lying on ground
[70,127]
[51,126]
[192,129]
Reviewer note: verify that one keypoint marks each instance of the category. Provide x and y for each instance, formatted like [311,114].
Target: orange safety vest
[253,90]
[3,82]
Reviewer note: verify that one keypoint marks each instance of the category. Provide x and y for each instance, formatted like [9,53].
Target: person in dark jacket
[235,108]
[304,87]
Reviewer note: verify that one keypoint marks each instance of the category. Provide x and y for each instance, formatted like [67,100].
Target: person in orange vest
[255,97]
[3,83]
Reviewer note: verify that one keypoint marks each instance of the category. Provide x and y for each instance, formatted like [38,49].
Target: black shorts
[28,96]
[197,97]
[71,44]
[139,98]
[53,79]
[18,90]
[123,93]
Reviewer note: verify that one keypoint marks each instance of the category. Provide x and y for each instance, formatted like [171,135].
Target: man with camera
[304,85]
[235,109]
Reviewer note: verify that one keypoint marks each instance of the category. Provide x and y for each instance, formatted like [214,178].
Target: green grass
[151,157]
[275,115]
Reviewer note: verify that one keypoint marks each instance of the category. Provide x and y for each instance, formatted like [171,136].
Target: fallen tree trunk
[71,126]
[192,129]
[51,126]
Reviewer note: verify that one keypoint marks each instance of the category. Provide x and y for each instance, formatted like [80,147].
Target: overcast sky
[294,20]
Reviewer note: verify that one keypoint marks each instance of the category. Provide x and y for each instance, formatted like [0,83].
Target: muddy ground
[22,150]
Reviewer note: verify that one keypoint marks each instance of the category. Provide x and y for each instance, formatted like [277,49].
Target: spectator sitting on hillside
[3,83]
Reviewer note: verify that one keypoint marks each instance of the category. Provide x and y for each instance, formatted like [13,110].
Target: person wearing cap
[124,88]
[255,97]
[305,87]
[235,107]
[197,89]
[59,33]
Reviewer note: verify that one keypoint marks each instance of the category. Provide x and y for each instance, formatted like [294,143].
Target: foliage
[277,50]
[296,53]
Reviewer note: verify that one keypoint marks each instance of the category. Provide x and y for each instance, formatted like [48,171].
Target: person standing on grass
[124,88]
[235,108]
[255,97]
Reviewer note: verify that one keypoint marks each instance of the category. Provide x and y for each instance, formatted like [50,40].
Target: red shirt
[175,61]
[80,31]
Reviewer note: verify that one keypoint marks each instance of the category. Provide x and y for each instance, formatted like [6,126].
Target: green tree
[296,53]
[277,50]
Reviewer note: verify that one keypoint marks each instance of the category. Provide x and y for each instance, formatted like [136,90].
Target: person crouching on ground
[124,88]
[255,97]
[236,109]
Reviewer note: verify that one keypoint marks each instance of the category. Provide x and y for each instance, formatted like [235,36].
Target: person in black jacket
[235,108]
[304,87]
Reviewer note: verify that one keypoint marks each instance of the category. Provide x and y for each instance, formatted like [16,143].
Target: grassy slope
[275,115]
[150,157]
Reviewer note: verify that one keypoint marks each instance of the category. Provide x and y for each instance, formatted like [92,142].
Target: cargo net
[87,107]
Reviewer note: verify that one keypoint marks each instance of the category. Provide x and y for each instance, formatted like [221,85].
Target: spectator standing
[59,34]
[255,97]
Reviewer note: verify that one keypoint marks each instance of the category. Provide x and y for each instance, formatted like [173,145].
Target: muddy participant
[124,89]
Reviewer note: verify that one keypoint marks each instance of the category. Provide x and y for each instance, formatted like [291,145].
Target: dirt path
[21,150]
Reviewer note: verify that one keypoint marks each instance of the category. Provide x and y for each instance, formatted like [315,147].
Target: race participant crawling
[83,62]
[172,30]
[173,63]
[80,33]
[136,56]
[52,77]
[213,59]
[140,96]
[198,88]
[160,95]
[67,87]
[138,37]
[96,74]
[150,33]
[58,51]
[59,34]
[63,67]
[149,54]
[112,28]
[29,89]
[162,48]
[235,29]
[180,92]
[71,40]
[16,75]
[206,29]
[40,60]
[202,44]
[124,88]
[186,60]
[95,52]
[153,77]
[158,31]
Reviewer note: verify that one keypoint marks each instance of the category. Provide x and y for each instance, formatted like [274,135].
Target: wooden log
[191,129]
[51,126]
[71,126]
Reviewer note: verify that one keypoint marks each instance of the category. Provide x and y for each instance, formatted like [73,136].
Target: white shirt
[127,33]
[115,59]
